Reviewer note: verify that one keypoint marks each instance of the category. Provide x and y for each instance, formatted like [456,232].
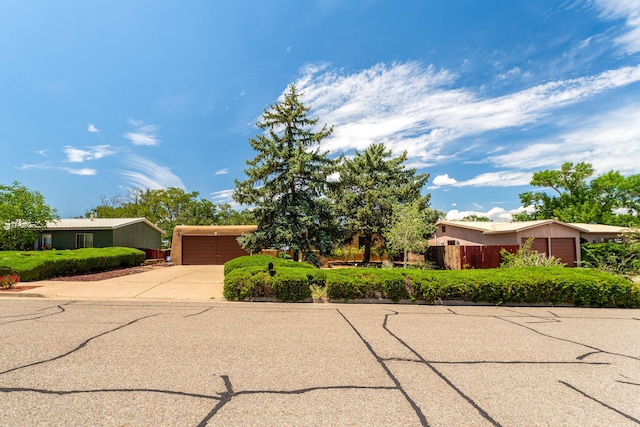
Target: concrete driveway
[178,283]
[141,363]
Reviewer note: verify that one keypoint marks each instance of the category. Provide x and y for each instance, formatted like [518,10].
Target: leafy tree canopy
[23,215]
[168,208]
[287,182]
[411,226]
[477,218]
[371,184]
[611,198]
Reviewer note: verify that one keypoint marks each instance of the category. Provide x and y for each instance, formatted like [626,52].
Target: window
[84,240]
[444,228]
[45,241]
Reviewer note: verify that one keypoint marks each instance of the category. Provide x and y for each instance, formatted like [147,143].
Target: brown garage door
[210,250]
[565,249]
[538,245]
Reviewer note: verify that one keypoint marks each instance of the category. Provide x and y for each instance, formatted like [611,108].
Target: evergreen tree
[287,182]
[371,185]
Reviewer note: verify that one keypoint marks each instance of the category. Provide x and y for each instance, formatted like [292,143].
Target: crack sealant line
[596,349]
[414,405]
[481,411]
[79,347]
[627,416]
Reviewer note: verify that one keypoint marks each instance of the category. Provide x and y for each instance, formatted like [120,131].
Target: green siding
[66,239]
[138,235]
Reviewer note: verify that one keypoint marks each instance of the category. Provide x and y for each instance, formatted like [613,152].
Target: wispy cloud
[608,141]
[415,108]
[489,179]
[143,134]
[224,171]
[78,155]
[72,171]
[629,11]
[147,174]
[92,128]
[83,171]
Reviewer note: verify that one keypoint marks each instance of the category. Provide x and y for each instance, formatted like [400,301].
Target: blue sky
[99,97]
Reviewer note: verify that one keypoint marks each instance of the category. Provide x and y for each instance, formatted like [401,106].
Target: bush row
[534,285]
[33,266]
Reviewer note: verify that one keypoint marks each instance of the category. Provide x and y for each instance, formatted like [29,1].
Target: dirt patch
[103,275]
[19,288]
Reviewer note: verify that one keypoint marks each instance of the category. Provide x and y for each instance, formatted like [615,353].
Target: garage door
[210,250]
[565,249]
[538,245]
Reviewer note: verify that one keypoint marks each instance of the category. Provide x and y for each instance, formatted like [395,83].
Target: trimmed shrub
[263,261]
[33,266]
[531,285]
[619,258]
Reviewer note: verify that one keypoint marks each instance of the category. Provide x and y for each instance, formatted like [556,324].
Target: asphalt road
[130,363]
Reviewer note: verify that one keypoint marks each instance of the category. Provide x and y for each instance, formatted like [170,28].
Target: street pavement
[142,362]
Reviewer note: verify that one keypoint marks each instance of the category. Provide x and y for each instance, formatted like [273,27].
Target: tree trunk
[366,257]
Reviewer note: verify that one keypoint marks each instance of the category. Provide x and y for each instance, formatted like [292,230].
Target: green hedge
[261,260]
[533,285]
[42,265]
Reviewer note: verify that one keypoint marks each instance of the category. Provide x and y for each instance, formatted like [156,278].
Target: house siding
[66,239]
[138,235]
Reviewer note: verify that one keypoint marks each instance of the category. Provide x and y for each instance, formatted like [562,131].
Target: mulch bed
[18,288]
[93,277]
[103,275]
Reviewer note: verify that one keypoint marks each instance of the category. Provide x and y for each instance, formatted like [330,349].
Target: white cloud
[77,155]
[147,174]
[46,166]
[84,171]
[143,134]
[494,214]
[489,179]
[629,11]
[92,128]
[225,196]
[441,180]
[411,107]
[609,142]
[224,171]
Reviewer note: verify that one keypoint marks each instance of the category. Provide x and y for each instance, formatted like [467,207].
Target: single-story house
[551,237]
[74,233]
[207,244]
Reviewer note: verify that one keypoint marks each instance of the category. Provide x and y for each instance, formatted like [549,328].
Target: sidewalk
[178,282]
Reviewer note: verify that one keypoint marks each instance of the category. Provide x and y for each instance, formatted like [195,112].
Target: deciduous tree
[411,226]
[23,215]
[610,198]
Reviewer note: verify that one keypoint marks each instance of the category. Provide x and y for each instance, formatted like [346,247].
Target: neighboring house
[551,237]
[207,244]
[74,233]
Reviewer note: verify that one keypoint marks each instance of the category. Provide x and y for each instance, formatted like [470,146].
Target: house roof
[214,230]
[507,227]
[601,228]
[98,223]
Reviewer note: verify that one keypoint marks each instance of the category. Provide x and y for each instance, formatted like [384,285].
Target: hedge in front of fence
[534,285]
[41,265]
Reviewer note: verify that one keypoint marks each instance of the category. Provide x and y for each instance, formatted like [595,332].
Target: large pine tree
[286,182]
[371,185]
